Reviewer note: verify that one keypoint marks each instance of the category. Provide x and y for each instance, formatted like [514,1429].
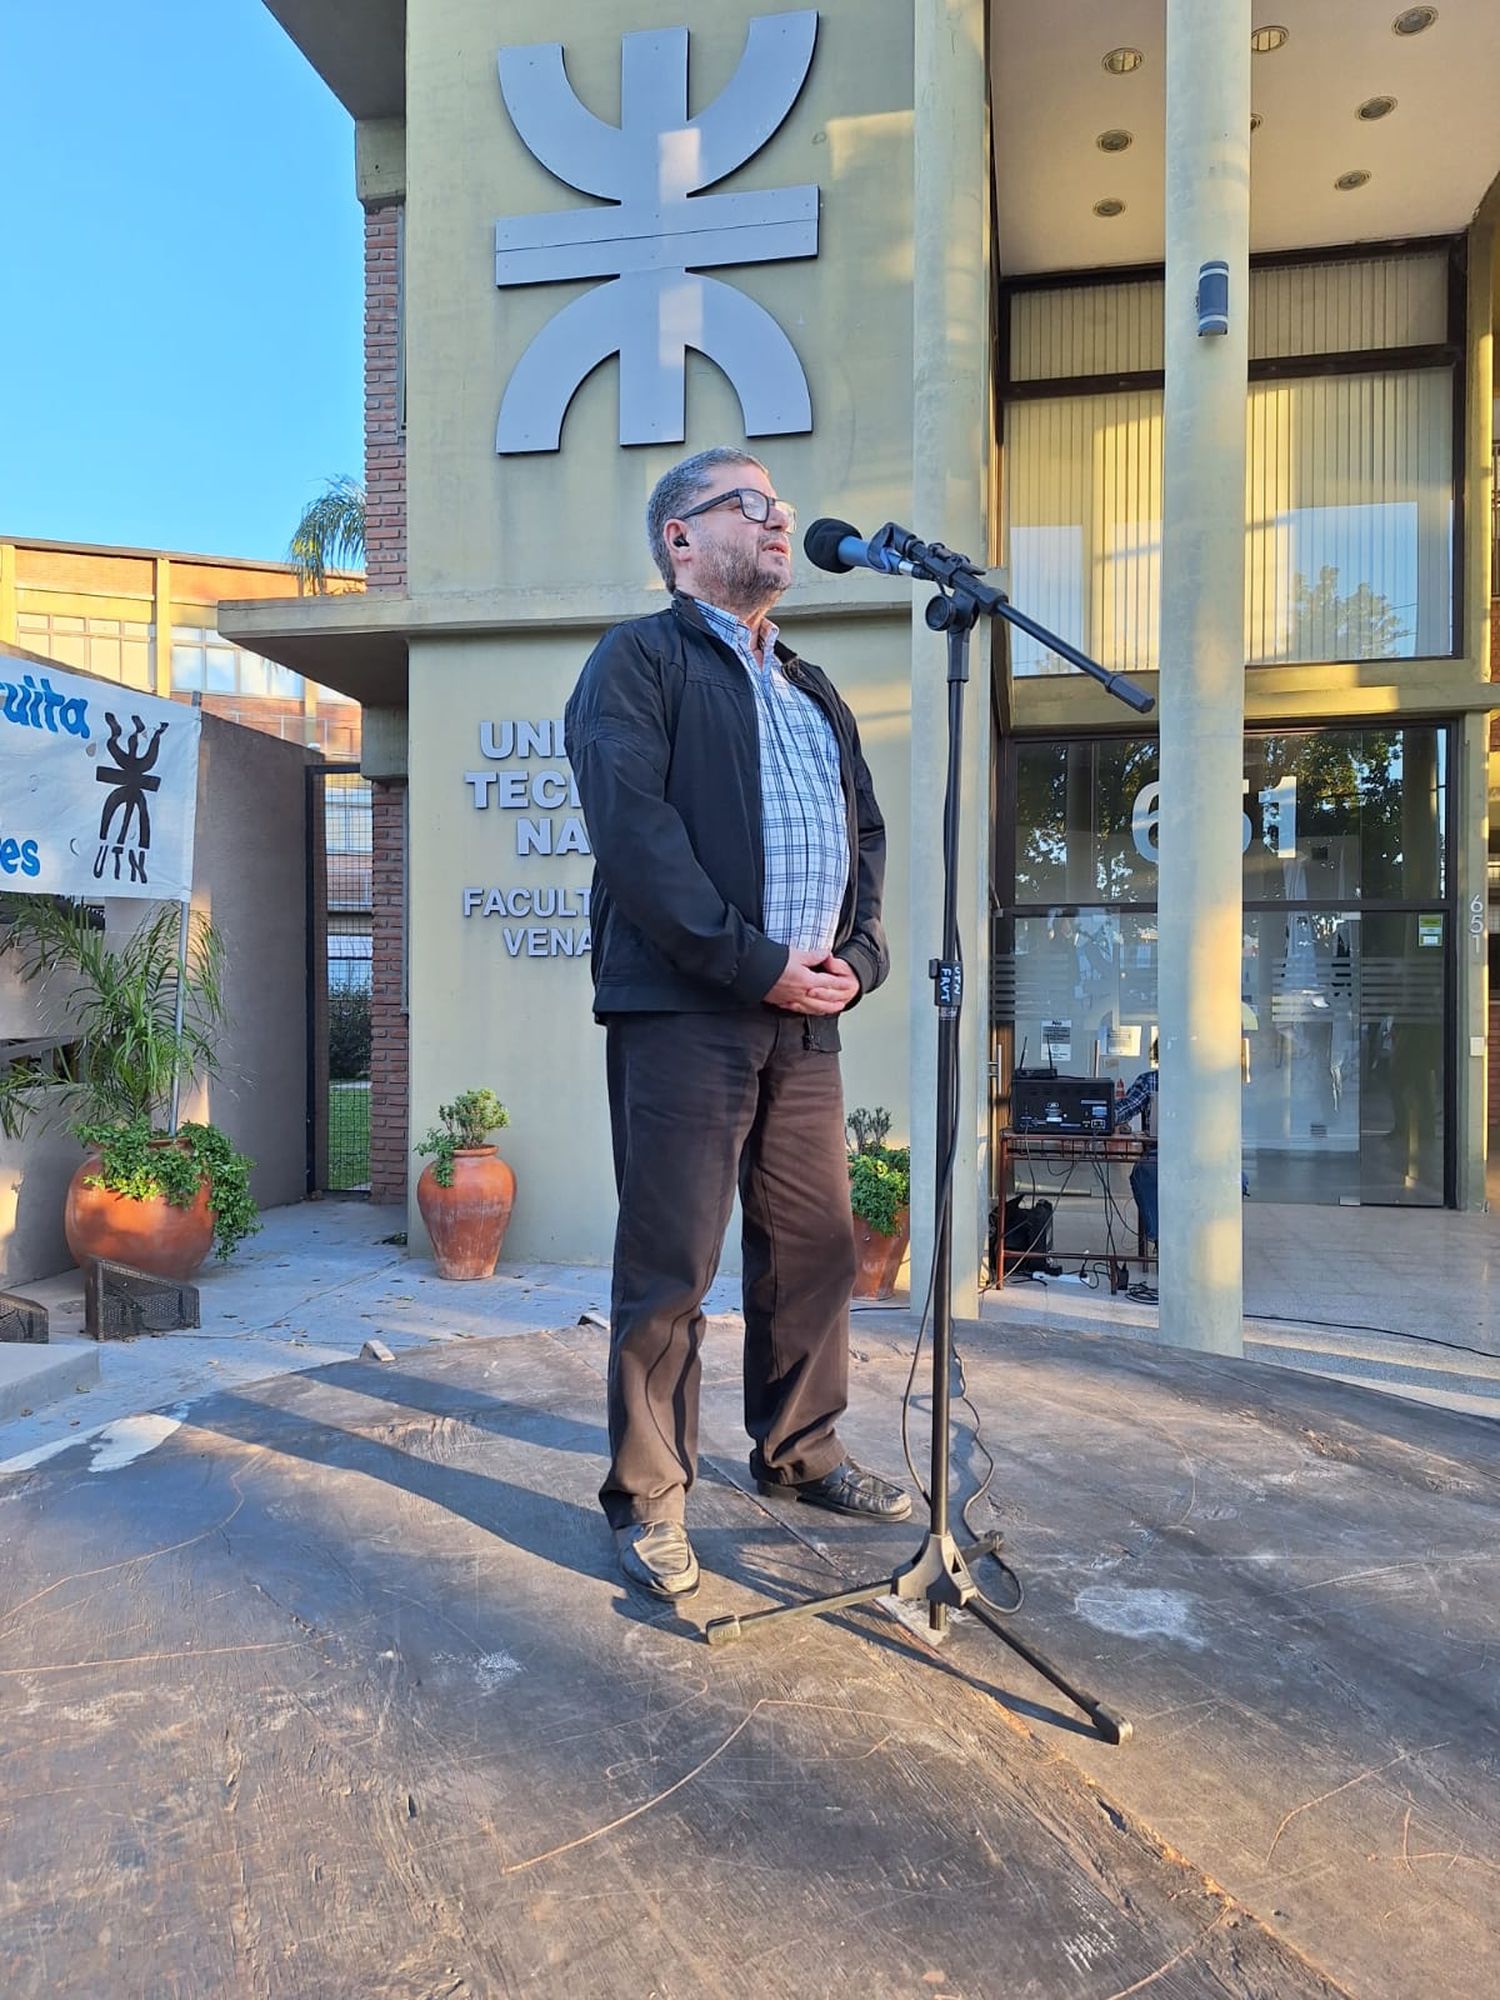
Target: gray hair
[678,488]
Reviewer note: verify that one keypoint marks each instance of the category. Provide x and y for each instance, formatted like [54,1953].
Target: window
[114,648]
[1334,815]
[1349,505]
[1344,950]
[205,663]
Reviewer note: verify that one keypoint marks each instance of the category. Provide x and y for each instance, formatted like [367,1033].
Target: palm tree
[330,534]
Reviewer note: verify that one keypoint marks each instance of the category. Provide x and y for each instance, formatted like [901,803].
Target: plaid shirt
[805,832]
[1141,1097]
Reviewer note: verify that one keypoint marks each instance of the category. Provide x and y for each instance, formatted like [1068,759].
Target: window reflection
[1336,815]
[1342,1000]
[1348,521]
[1341,1044]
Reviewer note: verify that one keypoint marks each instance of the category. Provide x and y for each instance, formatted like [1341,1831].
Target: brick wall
[385,443]
[388,1025]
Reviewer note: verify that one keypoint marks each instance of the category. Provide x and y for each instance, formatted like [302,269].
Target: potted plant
[467,1191]
[880,1196]
[150,1193]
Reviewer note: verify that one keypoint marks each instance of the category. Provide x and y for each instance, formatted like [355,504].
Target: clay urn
[467,1221]
[150,1235]
[878,1257]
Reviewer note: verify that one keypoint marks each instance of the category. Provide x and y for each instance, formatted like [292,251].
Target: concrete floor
[316,1677]
[325,1686]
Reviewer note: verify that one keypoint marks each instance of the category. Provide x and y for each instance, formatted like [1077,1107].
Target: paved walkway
[1404,1299]
[318,1281]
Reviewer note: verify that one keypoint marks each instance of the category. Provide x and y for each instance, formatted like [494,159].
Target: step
[45,1373]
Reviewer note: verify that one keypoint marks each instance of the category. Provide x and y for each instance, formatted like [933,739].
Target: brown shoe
[657,1556]
[848,1489]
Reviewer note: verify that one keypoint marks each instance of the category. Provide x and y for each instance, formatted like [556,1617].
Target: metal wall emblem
[656,236]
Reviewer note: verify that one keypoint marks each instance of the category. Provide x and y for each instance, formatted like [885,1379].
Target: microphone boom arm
[971,595]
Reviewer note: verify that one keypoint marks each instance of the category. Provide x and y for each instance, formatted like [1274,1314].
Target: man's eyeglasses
[753,504]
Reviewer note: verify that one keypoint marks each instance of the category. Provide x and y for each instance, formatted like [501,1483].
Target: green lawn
[348,1135]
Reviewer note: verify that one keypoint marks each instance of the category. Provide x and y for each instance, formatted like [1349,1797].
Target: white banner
[98,786]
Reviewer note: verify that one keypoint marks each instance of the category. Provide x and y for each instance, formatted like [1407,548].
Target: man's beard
[741,580]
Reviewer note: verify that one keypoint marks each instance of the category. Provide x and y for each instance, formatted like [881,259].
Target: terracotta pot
[877,1258]
[148,1235]
[467,1221]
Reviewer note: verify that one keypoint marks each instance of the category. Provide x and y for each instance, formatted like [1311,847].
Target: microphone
[837,546]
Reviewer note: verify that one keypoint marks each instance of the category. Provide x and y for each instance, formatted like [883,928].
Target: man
[1141,1101]
[739,862]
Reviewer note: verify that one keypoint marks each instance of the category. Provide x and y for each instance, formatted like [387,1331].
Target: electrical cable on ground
[1359,1326]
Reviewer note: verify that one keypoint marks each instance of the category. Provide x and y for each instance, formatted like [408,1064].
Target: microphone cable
[950,1116]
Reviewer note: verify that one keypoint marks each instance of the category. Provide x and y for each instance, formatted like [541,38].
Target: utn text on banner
[98,786]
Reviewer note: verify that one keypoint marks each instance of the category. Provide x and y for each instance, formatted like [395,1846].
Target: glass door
[1343,1019]
[1402,1004]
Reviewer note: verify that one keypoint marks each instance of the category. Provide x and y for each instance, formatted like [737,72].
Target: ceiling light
[1264,41]
[1115,141]
[1412,20]
[1109,206]
[1256,121]
[1347,183]
[1376,107]
[1120,62]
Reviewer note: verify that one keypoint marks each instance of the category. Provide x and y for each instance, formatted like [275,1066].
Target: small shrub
[879,1175]
[348,1034]
[867,1129]
[466,1123]
[143,1165]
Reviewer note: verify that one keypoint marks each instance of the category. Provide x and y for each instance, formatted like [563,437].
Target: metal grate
[119,1302]
[343,965]
[23,1319]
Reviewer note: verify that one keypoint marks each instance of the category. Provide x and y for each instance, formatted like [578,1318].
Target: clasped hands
[814,983]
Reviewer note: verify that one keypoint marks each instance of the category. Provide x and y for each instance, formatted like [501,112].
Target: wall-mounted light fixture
[1212,298]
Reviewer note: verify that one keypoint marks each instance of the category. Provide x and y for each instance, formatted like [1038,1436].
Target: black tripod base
[937,1575]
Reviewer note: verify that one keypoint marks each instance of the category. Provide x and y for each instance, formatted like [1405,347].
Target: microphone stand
[939,1574]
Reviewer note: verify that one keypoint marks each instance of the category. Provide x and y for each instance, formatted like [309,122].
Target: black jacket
[662,736]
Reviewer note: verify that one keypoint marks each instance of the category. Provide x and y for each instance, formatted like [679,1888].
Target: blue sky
[150,398]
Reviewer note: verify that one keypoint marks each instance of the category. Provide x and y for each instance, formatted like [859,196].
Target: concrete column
[1469,798]
[951,435]
[161,612]
[1469,801]
[1203,678]
[7,593]
[310,713]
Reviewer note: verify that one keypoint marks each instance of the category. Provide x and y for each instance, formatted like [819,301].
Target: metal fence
[339,980]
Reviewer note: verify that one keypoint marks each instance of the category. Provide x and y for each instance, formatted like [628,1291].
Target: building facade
[938,269]
[148,619]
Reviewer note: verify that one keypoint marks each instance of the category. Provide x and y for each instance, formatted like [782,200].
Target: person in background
[1140,1101]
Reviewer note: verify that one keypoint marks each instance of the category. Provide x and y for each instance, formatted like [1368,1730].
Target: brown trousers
[702,1104]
